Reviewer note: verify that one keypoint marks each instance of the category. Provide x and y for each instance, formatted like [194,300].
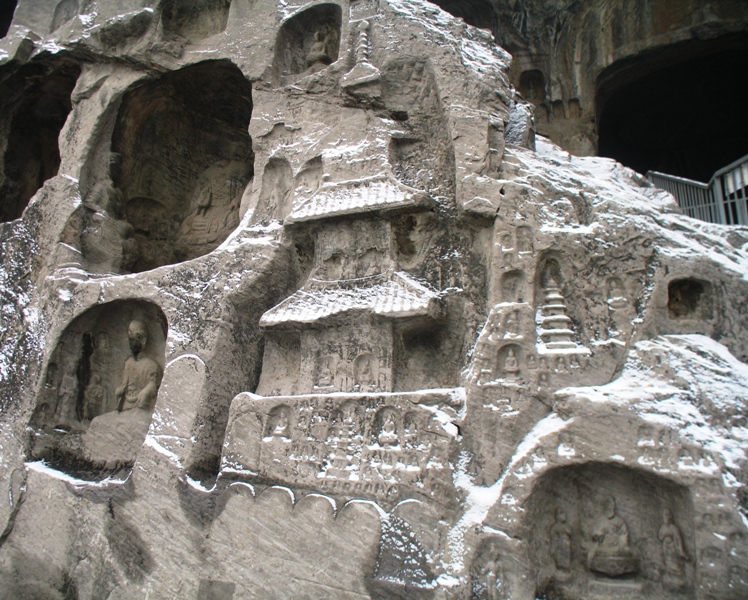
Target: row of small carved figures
[359,456]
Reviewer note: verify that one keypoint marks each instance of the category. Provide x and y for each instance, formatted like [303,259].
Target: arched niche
[308,41]
[185,157]
[675,109]
[478,13]
[65,11]
[602,530]
[34,105]
[194,19]
[513,286]
[101,380]
[532,86]
[6,16]
[276,195]
[551,275]
[690,299]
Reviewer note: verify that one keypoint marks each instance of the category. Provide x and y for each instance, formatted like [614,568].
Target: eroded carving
[362,445]
[141,377]
[673,552]
[689,299]
[610,553]
[186,158]
[107,364]
[561,544]
[308,41]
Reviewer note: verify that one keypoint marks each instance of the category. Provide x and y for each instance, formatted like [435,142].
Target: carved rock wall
[307,310]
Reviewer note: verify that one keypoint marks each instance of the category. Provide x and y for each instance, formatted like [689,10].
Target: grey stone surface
[308,310]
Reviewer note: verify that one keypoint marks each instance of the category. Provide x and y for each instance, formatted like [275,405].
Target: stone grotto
[340,299]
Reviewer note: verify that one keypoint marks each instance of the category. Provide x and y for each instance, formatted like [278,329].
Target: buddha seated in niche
[388,435]
[610,553]
[323,48]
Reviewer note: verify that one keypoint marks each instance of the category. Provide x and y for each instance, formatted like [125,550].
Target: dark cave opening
[678,110]
[34,105]
[479,13]
[185,157]
[6,16]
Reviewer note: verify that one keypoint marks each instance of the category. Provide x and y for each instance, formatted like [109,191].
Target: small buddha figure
[141,376]
[281,425]
[365,371]
[561,542]
[673,554]
[511,325]
[323,48]
[388,435]
[511,364]
[326,376]
[610,553]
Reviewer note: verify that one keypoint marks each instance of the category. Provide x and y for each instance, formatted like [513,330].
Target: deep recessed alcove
[604,530]
[689,299]
[6,16]
[184,157]
[100,387]
[34,105]
[195,19]
[308,41]
[678,110]
[479,13]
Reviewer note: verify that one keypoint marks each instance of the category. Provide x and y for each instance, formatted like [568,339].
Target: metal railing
[722,200]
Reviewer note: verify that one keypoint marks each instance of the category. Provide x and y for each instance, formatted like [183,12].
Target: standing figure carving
[673,554]
[491,575]
[141,377]
[561,542]
[610,553]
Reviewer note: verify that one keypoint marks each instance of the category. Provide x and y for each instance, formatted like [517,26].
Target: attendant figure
[561,542]
[673,554]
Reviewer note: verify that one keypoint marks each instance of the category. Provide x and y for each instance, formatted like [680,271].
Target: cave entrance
[34,105]
[478,13]
[678,110]
[6,16]
[184,157]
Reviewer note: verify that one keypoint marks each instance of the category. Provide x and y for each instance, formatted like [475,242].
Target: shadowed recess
[185,159]
[34,105]
[6,16]
[679,111]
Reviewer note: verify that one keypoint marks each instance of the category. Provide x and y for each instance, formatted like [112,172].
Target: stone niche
[601,531]
[65,11]
[182,157]
[689,299]
[195,19]
[308,41]
[34,105]
[99,389]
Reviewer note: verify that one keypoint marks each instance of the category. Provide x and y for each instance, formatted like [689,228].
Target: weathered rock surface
[300,306]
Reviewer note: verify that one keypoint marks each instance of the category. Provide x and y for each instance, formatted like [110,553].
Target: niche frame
[182,158]
[296,38]
[79,384]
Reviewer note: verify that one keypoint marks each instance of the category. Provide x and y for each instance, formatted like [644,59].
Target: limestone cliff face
[296,304]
